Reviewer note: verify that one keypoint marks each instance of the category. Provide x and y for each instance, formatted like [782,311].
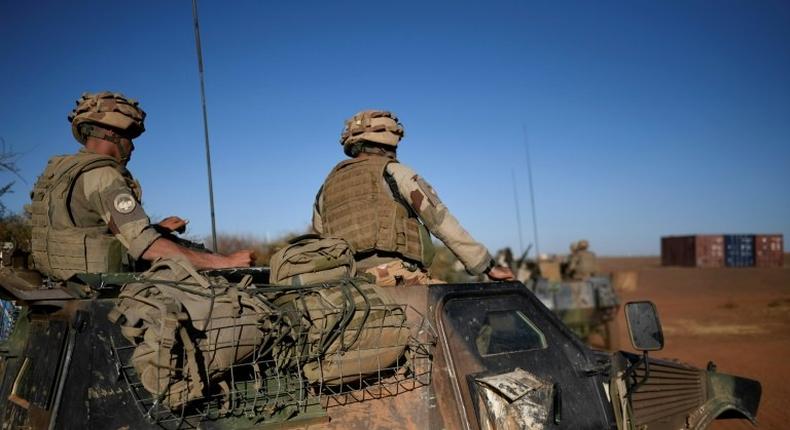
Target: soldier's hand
[501,273]
[174,224]
[243,258]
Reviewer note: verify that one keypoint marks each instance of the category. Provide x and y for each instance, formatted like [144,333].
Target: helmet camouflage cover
[372,126]
[583,244]
[111,110]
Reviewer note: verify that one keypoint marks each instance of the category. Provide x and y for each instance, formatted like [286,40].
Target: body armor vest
[61,245]
[583,264]
[361,207]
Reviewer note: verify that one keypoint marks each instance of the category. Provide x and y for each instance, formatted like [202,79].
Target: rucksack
[188,329]
[311,259]
[341,332]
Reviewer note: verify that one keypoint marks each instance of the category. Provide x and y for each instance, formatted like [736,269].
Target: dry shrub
[447,267]
[8,159]
[228,243]
[16,228]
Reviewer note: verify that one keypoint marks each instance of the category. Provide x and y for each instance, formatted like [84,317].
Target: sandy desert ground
[737,317]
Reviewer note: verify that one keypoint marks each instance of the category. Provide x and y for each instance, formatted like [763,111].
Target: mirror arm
[630,372]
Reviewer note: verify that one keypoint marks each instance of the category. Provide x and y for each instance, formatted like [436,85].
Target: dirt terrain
[737,317]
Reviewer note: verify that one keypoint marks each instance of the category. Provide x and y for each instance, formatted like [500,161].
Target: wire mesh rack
[9,313]
[271,354]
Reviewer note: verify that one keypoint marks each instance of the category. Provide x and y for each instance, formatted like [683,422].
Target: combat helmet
[107,110]
[582,245]
[374,126]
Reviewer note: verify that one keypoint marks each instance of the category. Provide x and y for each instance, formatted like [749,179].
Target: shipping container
[678,251]
[739,250]
[769,250]
[709,250]
[702,250]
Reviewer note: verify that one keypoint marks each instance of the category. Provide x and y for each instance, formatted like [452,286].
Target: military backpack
[311,259]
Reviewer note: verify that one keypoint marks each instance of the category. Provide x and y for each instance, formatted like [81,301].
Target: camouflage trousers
[396,273]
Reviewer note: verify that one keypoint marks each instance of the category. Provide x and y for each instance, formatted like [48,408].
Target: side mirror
[644,328]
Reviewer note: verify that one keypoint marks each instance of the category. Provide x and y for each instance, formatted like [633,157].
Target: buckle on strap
[169,326]
[167,335]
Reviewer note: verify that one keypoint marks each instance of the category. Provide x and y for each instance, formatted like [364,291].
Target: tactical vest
[361,207]
[583,264]
[60,248]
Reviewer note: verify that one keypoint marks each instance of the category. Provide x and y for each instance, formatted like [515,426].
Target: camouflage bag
[188,330]
[311,259]
[341,332]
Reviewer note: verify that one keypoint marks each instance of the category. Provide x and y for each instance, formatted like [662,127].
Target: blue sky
[643,118]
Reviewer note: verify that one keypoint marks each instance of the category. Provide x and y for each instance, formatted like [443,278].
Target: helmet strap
[374,149]
[353,149]
[108,135]
[125,155]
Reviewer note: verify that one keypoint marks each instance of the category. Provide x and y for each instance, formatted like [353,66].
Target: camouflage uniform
[387,212]
[86,209]
[582,262]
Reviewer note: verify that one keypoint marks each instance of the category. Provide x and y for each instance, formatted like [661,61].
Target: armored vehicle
[474,356]
[587,306]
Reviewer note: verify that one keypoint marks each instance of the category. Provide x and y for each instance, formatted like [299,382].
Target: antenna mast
[205,124]
[531,193]
[518,213]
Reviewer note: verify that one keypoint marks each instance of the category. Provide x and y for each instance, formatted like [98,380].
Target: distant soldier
[566,262]
[86,211]
[386,211]
[582,263]
[504,258]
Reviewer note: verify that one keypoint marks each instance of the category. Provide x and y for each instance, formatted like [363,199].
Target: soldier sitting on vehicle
[504,258]
[582,263]
[86,209]
[386,211]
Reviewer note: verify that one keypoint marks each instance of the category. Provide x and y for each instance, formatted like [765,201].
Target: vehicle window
[493,326]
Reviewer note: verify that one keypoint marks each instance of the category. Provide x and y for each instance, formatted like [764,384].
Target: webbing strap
[390,180]
[167,330]
[196,390]
[176,265]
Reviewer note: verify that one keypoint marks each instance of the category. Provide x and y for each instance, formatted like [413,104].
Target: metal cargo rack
[263,389]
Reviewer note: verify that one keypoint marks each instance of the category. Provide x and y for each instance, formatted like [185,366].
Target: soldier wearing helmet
[86,211]
[387,212]
[582,263]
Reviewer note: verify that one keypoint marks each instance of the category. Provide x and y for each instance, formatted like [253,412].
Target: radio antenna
[531,193]
[518,213]
[199,50]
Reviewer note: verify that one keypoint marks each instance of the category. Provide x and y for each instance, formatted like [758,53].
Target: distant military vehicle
[478,356]
[587,306]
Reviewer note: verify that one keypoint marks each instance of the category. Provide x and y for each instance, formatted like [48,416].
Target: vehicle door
[500,338]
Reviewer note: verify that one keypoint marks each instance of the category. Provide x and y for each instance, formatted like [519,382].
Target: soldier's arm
[318,223]
[441,223]
[163,248]
[109,193]
[573,264]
